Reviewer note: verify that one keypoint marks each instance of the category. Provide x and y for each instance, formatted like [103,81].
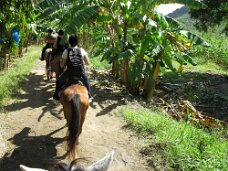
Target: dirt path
[32,129]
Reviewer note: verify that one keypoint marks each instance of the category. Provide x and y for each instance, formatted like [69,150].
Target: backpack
[74,63]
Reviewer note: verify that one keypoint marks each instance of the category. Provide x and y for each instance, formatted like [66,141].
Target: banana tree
[168,43]
[148,41]
[14,14]
[135,39]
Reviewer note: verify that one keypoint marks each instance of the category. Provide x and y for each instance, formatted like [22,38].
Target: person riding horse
[74,59]
[57,50]
[58,46]
[49,40]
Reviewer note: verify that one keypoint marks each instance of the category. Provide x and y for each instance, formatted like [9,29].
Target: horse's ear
[25,168]
[103,164]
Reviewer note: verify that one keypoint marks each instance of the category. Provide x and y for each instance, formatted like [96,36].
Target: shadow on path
[37,93]
[34,151]
[107,93]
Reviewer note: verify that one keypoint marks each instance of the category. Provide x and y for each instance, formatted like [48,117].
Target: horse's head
[101,165]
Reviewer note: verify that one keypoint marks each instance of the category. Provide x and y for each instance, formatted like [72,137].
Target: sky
[168,8]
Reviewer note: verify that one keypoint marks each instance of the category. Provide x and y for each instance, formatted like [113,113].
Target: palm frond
[81,18]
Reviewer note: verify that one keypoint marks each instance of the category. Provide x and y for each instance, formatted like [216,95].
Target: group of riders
[71,60]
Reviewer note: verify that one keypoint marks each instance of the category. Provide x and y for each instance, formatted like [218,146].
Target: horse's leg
[48,64]
[47,67]
[50,67]
[67,112]
[67,115]
[59,70]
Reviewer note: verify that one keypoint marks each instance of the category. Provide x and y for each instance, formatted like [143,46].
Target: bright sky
[168,8]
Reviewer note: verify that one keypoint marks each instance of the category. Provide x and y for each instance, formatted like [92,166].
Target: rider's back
[74,63]
[50,38]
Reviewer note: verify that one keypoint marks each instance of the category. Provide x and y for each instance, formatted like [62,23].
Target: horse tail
[74,125]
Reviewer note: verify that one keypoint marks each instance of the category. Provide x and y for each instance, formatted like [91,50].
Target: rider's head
[73,40]
[50,30]
[60,32]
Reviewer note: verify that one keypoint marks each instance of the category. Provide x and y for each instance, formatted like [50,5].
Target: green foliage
[215,13]
[185,147]
[194,39]
[19,15]
[67,15]
[132,36]
[96,63]
[218,51]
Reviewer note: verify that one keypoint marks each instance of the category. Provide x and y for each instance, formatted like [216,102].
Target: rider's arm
[86,60]
[85,57]
[62,63]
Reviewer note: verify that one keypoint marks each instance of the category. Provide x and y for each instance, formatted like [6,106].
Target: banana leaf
[195,39]
[167,59]
[126,54]
[189,59]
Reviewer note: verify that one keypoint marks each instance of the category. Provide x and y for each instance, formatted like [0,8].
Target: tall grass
[185,147]
[10,79]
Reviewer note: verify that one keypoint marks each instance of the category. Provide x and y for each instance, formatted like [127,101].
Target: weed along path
[32,129]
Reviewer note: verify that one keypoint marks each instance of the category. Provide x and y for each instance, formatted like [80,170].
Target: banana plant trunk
[115,69]
[150,82]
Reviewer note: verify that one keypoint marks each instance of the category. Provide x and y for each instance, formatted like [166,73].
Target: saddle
[72,80]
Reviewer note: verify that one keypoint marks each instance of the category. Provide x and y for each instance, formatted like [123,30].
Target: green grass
[96,63]
[185,147]
[10,79]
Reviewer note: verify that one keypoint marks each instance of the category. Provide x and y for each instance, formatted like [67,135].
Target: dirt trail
[32,129]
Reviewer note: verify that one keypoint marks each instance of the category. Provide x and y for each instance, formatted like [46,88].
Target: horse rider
[74,59]
[49,39]
[59,46]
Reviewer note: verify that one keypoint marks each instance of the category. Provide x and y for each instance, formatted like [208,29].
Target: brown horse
[55,65]
[52,64]
[75,103]
[47,55]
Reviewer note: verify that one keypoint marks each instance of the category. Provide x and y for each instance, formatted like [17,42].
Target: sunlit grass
[206,67]
[10,79]
[185,147]
[202,66]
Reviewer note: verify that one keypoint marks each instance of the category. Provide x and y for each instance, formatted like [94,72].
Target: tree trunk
[6,61]
[150,84]
[115,69]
